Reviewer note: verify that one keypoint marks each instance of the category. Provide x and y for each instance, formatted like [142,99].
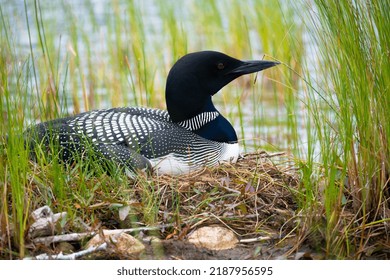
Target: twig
[256,239]
[276,154]
[62,238]
[72,256]
[231,190]
[128,230]
[79,236]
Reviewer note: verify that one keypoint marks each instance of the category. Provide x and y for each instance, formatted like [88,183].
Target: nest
[254,198]
[254,195]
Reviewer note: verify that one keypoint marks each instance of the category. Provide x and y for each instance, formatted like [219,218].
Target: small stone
[124,212]
[42,212]
[65,247]
[127,244]
[121,243]
[45,222]
[213,238]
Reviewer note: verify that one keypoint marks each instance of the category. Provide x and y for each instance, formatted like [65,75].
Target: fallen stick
[263,238]
[79,236]
[62,238]
[256,239]
[72,256]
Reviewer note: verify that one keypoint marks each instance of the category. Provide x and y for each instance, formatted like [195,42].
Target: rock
[65,247]
[41,213]
[213,238]
[124,212]
[45,222]
[127,244]
[121,243]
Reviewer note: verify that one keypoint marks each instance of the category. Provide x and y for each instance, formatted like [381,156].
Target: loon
[187,136]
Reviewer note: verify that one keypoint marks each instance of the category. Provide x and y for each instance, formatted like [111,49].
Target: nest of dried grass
[253,197]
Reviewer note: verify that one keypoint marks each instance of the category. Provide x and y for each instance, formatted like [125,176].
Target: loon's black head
[196,77]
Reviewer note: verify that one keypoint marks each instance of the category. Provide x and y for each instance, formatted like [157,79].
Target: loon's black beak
[252,66]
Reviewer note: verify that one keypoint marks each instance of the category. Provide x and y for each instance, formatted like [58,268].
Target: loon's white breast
[174,164]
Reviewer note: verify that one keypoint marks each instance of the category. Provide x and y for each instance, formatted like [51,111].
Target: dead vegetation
[253,197]
[256,199]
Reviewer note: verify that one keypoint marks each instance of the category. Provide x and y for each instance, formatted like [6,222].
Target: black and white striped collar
[198,121]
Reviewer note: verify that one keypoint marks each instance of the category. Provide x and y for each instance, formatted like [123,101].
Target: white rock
[122,243]
[44,222]
[124,212]
[213,238]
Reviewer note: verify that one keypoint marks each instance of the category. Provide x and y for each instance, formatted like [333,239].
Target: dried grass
[253,196]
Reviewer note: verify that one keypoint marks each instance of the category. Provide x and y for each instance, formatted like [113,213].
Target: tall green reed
[354,134]
[14,156]
[281,38]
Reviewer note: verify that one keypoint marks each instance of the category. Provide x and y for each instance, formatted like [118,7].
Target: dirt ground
[181,250]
